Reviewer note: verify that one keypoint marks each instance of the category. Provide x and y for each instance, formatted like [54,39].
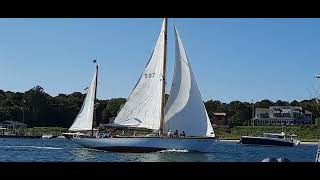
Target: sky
[232,59]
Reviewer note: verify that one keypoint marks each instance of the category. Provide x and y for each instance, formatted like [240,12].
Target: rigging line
[242,23]
[314,102]
[317,84]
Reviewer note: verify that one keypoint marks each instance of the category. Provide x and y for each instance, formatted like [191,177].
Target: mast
[95,97]
[252,120]
[163,77]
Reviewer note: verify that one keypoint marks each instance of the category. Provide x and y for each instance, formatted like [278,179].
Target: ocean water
[62,150]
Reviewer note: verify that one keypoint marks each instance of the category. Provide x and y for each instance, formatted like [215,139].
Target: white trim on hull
[146,144]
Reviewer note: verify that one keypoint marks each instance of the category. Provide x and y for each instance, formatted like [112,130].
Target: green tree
[282,103]
[112,108]
[36,98]
[294,103]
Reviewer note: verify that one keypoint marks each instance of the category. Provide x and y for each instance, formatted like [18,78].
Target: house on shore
[11,127]
[218,119]
[281,115]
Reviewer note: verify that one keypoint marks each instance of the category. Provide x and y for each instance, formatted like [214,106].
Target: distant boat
[269,160]
[145,108]
[47,136]
[275,139]
[61,137]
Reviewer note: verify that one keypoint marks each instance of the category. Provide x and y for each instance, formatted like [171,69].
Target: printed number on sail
[149,75]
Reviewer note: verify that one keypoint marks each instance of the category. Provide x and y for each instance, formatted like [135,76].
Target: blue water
[62,150]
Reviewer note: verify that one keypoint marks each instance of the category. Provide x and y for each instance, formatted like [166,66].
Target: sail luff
[164,76]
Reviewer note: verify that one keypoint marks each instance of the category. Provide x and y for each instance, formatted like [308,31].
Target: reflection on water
[83,154]
[184,157]
[89,155]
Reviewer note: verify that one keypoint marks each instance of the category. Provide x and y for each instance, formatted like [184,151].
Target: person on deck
[170,134]
[176,133]
[182,134]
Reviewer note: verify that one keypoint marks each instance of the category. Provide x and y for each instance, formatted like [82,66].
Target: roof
[307,112]
[13,122]
[220,114]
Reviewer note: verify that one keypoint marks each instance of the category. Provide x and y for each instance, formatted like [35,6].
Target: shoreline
[237,140]
[307,142]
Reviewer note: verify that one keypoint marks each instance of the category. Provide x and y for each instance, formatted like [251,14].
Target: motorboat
[276,139]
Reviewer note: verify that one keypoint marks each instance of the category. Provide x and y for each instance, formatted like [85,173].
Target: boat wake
[35,147]
[91,149]
[175,150]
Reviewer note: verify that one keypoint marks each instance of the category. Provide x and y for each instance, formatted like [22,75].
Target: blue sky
[233,59]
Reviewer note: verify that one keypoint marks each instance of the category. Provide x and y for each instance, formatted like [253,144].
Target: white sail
[185,110]
[84,119]
[143,106]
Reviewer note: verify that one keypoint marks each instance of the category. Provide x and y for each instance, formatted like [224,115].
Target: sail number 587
[149,75]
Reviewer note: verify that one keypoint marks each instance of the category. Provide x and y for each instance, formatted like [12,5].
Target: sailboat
[83,123]
[145,108]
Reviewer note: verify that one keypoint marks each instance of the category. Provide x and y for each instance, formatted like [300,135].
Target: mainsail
[185,110]
[143,106]
[84,120]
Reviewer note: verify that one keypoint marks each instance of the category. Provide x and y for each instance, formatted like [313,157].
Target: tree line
[36,108]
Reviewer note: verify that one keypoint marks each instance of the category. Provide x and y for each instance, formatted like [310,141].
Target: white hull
[146,144]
